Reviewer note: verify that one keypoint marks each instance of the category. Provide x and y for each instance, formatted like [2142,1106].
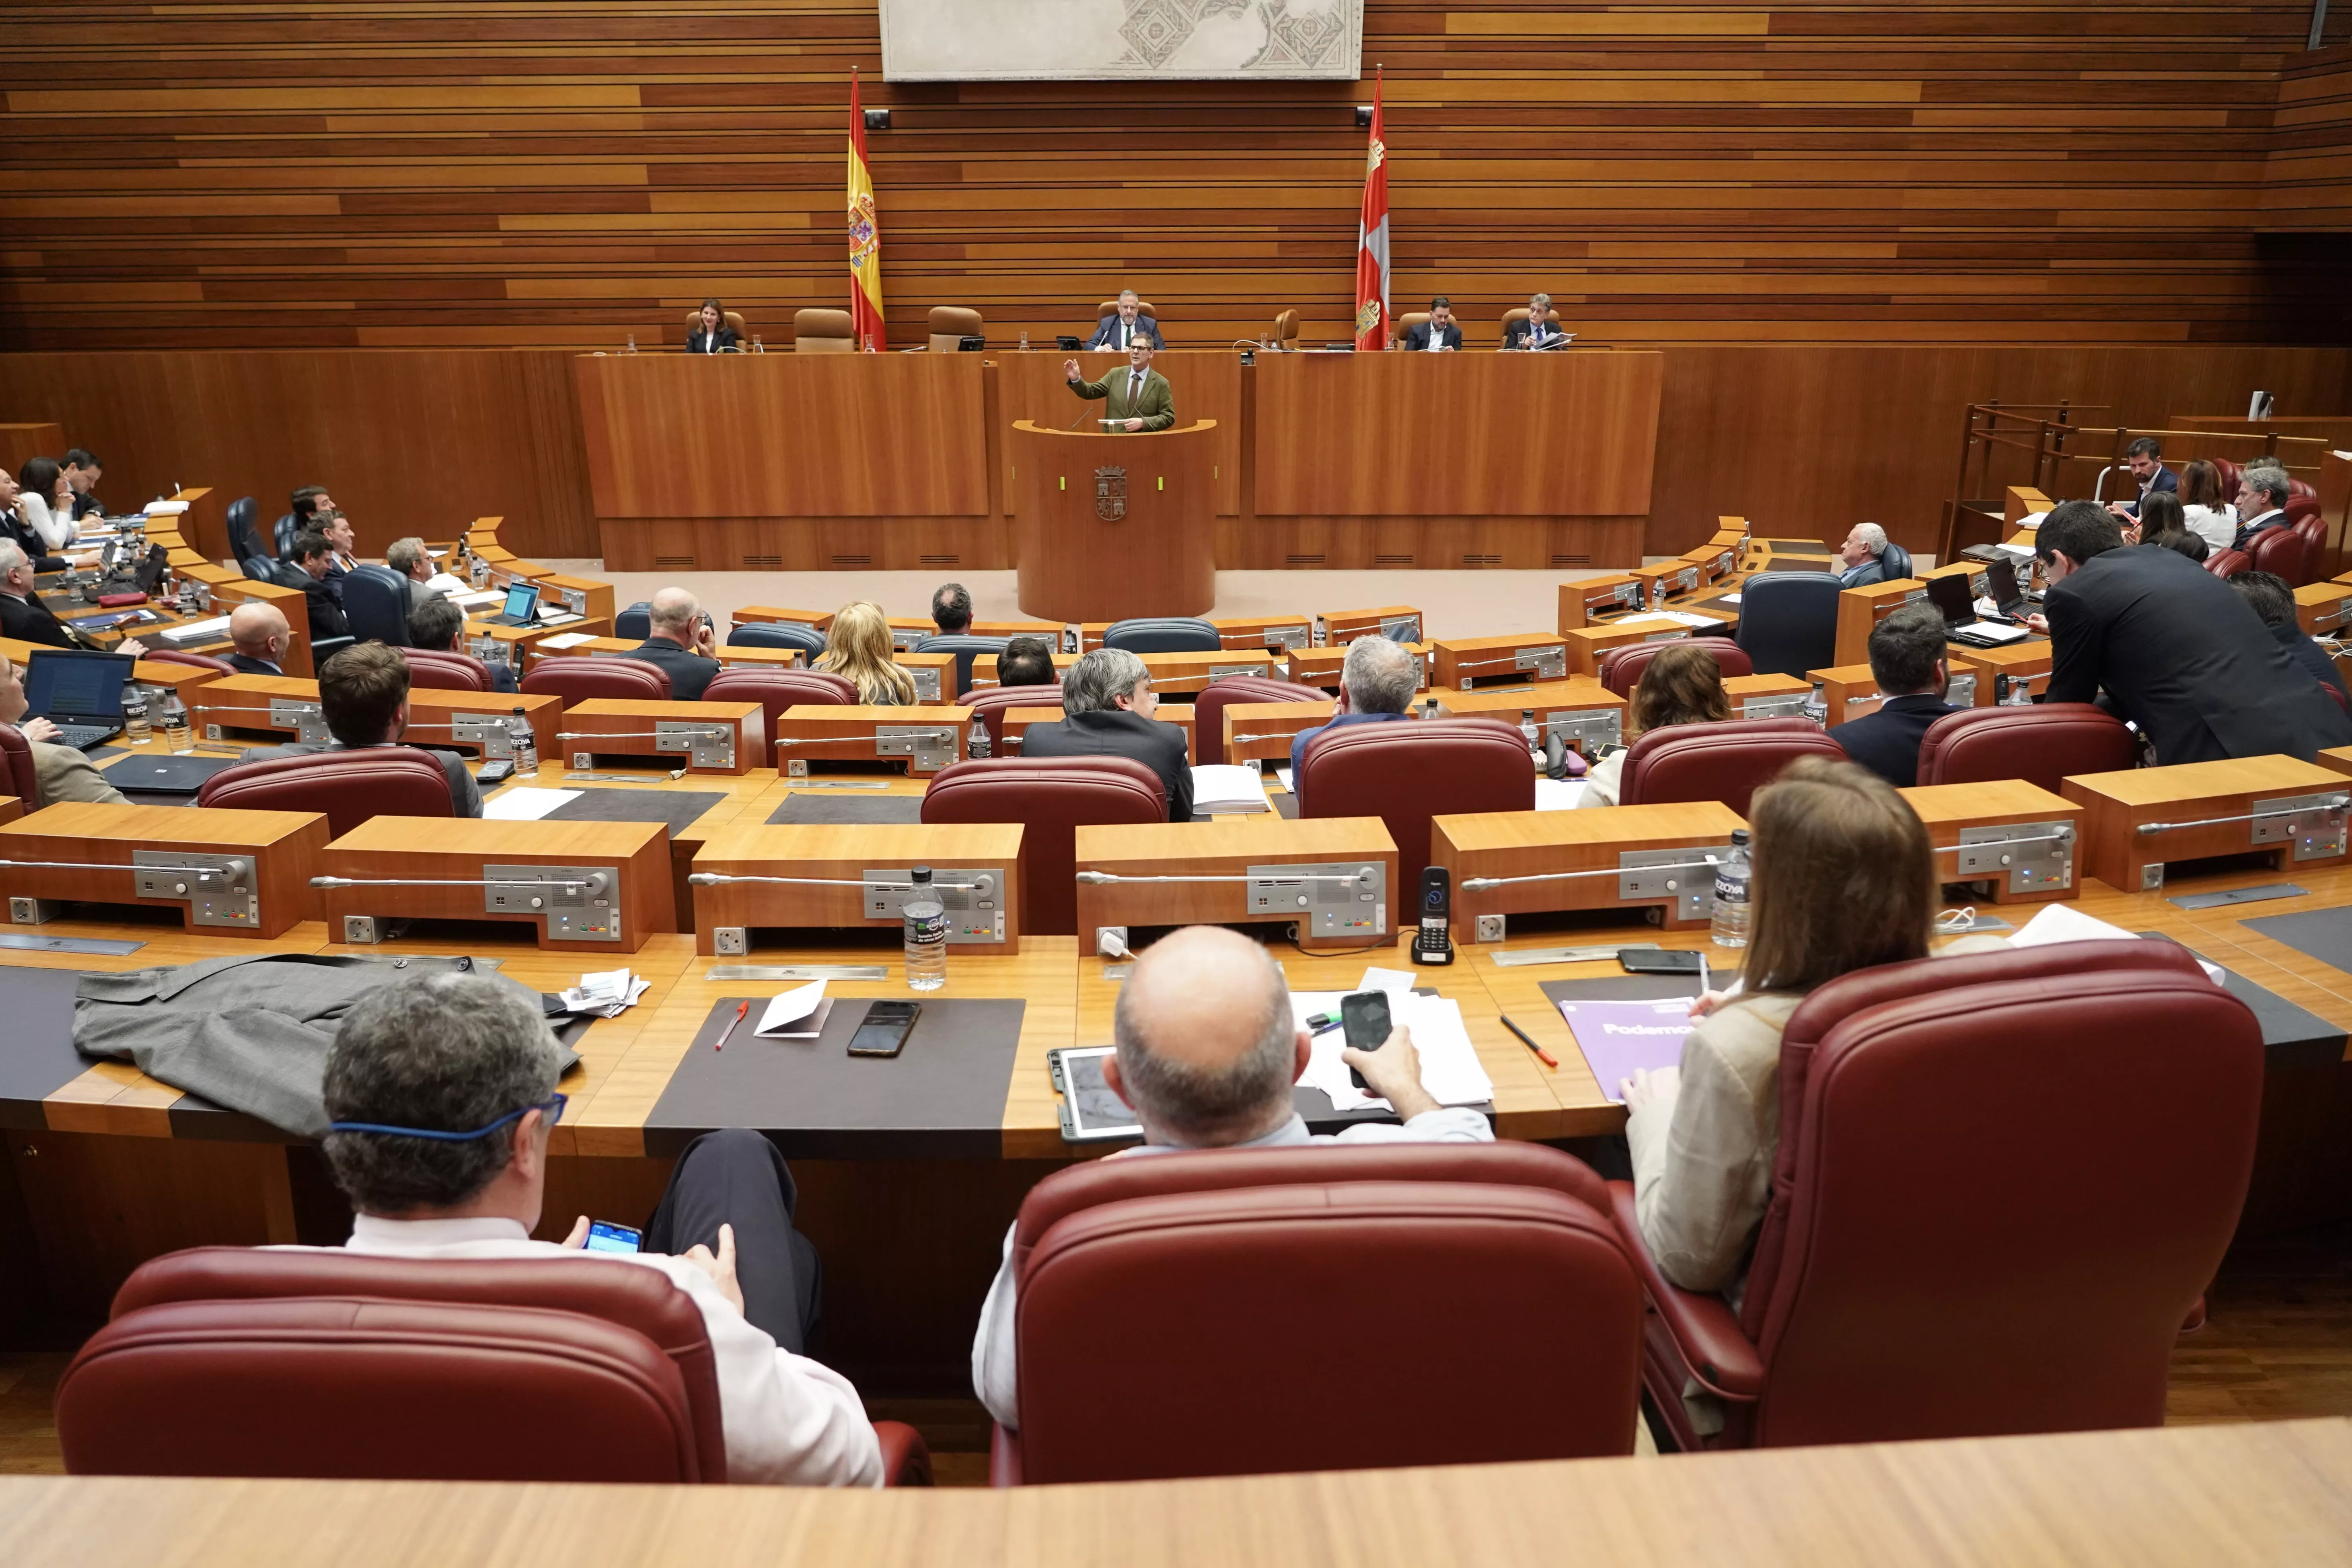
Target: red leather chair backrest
[2317,559]
[442,671]
[2227,563]
[2042,746]
[1051,798]
[347,787]
[2282,551]
[1621,667]
[578,680]
[1405,772]
[1727,762]
[2229,473]
[2038,1157]
[1500,1255]
[990,703]
[17,775]
[777,689]
[1209,707]
[193,660]
[241,1362]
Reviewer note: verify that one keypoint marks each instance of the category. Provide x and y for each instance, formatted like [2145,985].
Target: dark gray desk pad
[837,809]
[941,1097]
[677,809]
[2323,934]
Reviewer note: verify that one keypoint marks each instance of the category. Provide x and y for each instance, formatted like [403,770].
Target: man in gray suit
[364,694]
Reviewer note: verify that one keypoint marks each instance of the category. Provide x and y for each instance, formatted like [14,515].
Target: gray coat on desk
[248,1033]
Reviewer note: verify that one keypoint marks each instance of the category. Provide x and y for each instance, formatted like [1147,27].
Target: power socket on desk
[1490,928]
[730,942]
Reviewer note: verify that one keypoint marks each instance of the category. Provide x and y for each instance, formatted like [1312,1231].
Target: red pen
[1541,1055]
[743,1007]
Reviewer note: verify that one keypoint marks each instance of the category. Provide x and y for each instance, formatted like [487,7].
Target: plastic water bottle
[1817,705]
[481,571]
[1025,340]
[177,735]
[632,343]
[1731,894]
[136,729]
[757,346]
[522,743]
[926,935]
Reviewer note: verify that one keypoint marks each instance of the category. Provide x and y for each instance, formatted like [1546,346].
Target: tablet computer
[1091,1111]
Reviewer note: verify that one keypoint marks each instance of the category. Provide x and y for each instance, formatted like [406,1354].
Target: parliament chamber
[1691,891]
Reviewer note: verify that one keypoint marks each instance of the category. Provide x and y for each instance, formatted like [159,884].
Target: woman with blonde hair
[1682,684]
[858,646]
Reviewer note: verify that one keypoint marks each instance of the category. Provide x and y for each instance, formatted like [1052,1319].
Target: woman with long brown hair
[858,646]
[1682,684]
[2204,510]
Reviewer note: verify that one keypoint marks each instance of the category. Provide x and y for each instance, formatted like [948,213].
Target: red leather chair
[990,703]
[2042,744]
[2227,563]
[2318,562]
[777,689]
[2229,473]
[2002,1183]
[578,680]
[2282,551]
[347,787]
[438,670]
[1406,773]
[1526,1314]
[1621,667]
[1051,798]
[1727,762]
[1209,707]
[230,1361]
[193,660]
[17,775]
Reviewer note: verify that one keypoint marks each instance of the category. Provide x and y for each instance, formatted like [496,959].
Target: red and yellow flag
[865,237]
[1372,240]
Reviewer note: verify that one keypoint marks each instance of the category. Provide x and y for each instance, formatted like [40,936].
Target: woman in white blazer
[45,503]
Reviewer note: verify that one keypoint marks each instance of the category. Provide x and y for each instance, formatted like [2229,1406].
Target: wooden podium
[1107,527]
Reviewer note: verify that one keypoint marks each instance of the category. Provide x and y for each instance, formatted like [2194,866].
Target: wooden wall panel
[566,174]
[2307,180]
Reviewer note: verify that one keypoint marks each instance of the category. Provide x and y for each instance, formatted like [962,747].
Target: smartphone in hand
[1364,1015]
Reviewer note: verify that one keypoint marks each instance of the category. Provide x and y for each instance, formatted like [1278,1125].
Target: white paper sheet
[525,804]
[1993,631]
[568,640]
[2064,923]
[1730,599]
[1558,795]
[1389,980]
[1229,788]
[1450,1068]
[789,1008]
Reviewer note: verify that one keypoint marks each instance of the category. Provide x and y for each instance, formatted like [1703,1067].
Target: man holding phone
[1208,1050]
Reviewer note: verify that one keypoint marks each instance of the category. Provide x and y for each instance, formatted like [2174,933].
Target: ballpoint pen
[741,1008]
[1542,1056]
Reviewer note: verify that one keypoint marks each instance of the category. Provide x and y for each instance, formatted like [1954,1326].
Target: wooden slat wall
[483,173]
[2307,182]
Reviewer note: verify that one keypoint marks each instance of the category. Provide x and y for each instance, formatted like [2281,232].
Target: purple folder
[1616,1037]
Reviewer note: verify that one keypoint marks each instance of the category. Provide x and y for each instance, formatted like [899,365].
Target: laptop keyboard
[82,737]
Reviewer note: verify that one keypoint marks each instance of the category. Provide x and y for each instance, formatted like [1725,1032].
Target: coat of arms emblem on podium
[1111,494]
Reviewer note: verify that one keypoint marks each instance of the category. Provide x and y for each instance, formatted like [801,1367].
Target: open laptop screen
[1950,595]
[2000,582]
[522,602]
[76,685]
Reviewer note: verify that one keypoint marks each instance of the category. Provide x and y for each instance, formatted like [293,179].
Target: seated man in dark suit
[1126,325]
[2262,504]
[1858,558]
[679,639]
[951,610]
[1025,661]
[437,625]
[2144,458]
[83,471]
[1438,334]
[322,596]
[364,696]
[1106,706]
[2274,601]
[258,635]
[23,615]
[307,508]
[1540,329]
[1907,659]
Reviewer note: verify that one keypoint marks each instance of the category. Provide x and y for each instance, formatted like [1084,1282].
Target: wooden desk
[251,876]
[1257,732]
[2137,821]
[617,918]
[1113,526]
[1860,609]
[713,737]
[1461,662]
[981,919]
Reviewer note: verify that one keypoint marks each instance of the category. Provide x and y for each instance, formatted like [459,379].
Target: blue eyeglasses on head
[553,1105]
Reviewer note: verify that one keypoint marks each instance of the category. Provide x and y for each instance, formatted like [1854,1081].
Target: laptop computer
[1950,595]
[521,606]
[80,693]
[2000,580]
[140,773]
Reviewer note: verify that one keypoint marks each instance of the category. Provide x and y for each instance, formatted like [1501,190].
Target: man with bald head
[681,642]
[1208,1050]
[259,634]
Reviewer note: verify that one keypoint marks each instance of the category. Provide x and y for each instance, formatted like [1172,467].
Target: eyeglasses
[553,1105]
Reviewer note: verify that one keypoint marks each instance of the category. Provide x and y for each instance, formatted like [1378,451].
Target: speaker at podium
[1107,526]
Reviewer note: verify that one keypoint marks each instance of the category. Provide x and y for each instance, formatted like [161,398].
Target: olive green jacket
[1156,408]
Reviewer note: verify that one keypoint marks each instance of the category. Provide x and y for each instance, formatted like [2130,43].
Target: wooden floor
[2277,1346]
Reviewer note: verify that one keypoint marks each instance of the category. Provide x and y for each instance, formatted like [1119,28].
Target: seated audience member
[1844,879]
[1860,556]
[1377,681]
[342,540]
[257,636]
[1682,684]
[2274,601]
[2145,458]
[436,625]
[2262,504]
[61,772]
[45,500]
[678,638]
[711,334]
[858,646]
[323,596]
[23,615]
[363,697]
[2160,526]
[2175,650]
[2204,510]
[413,561]
[83,471]
[951,610]
[1906,660]
[1025,661]
[1106,708]
[304,510]
[16,531]
[1208,1050]
[427,1057]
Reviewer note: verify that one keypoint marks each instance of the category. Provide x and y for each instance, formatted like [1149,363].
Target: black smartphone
[1657,961]
[883,1031]
[1364,1015]
[603,1235]
[495,772]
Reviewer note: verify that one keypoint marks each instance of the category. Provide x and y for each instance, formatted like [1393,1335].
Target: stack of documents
[2064,923]
[606,994]
[1450,1068]
[1228,789]
[567,639]
[524,803]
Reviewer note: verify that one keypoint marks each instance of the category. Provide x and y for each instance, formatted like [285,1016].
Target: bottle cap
[923,876]
[1739,836]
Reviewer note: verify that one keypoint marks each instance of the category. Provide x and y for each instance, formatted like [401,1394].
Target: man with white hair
[26,618]
[1376,683]
[61,772]
[679,640]
[1860,554]
[1208,1049]
[1106,708]
[413,561]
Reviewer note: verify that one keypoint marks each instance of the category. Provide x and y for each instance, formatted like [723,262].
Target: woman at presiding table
[858,647]
[714,336]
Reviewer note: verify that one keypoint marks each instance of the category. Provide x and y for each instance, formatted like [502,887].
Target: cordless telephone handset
[1433,940]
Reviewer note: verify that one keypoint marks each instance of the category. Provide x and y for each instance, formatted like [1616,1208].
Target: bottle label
[927,926]
[1729,888]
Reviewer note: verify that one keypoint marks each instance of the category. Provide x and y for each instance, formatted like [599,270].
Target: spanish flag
[865,237]
[1372,240]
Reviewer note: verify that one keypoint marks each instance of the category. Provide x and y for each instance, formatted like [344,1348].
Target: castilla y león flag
[865,237]
[1372,241]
